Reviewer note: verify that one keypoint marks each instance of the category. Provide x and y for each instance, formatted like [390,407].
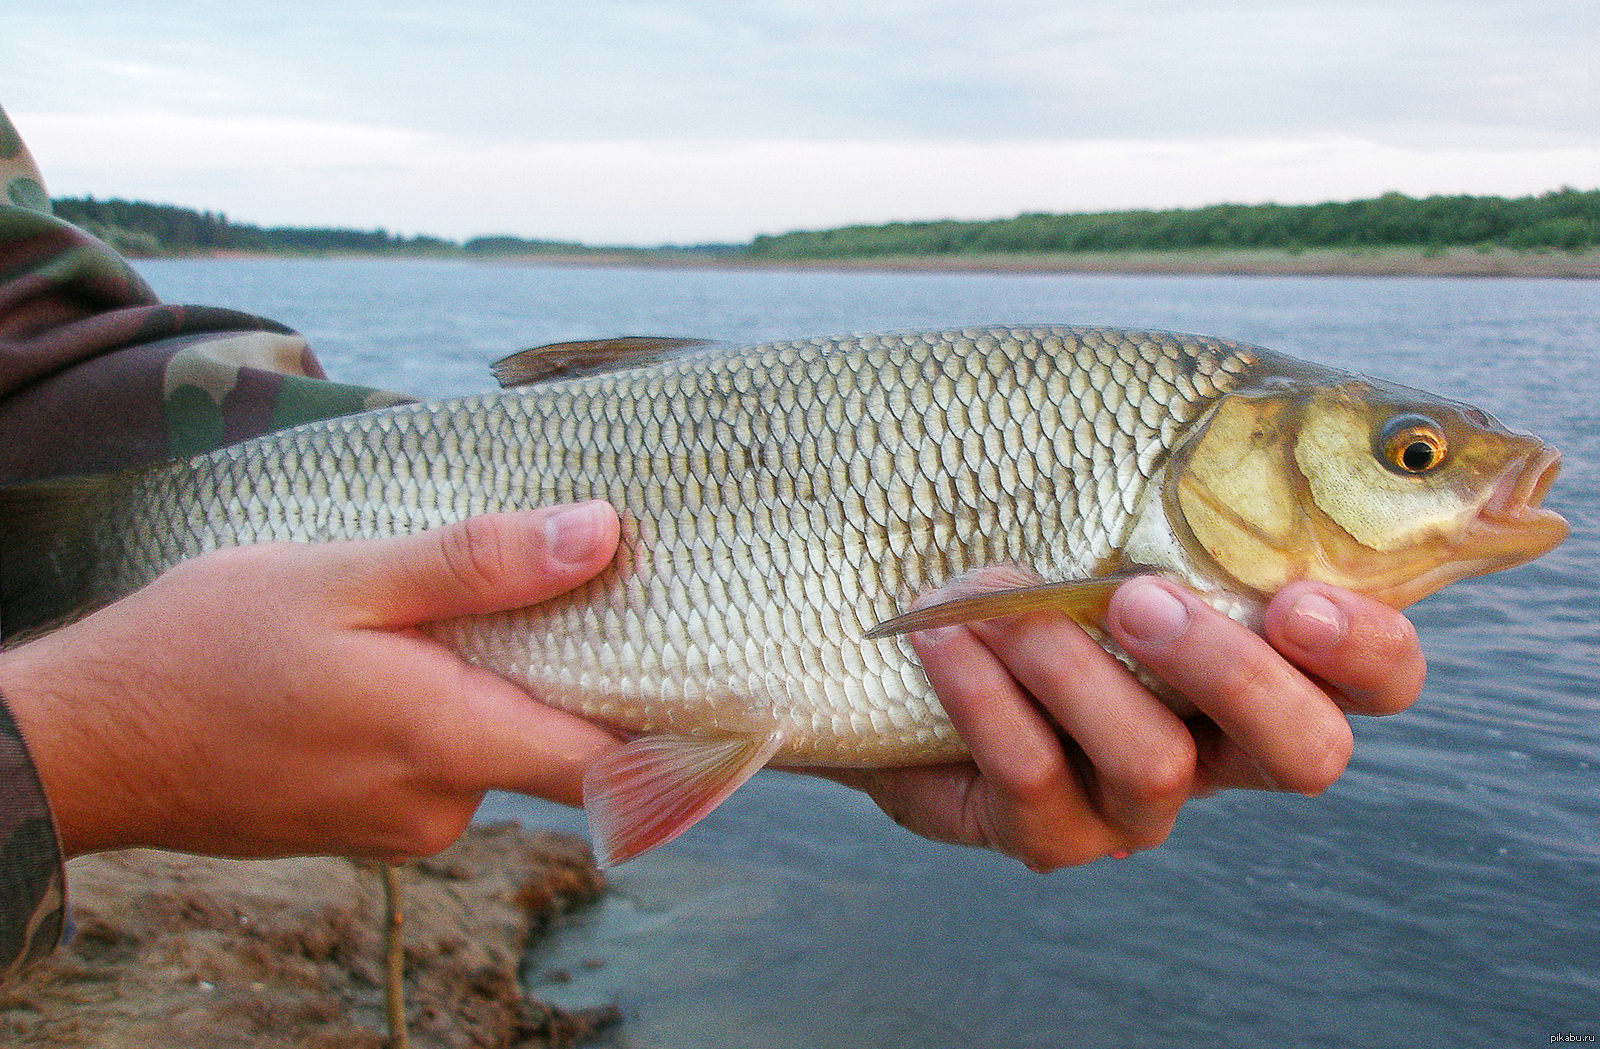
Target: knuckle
[1243,680]
[475,552]
[1162,778]
[1038,786]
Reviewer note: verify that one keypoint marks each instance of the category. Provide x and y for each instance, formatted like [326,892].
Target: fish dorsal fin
[657,787]
[1083,599]
[565,360]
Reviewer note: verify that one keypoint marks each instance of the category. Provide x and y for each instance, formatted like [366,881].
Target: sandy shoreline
[1319,262]
[189,953]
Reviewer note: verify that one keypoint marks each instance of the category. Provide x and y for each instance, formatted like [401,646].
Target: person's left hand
[1073,759]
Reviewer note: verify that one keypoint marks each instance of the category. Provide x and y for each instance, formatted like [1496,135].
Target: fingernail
[574,533]
[1315,624]
[1151,614]
[1119,854]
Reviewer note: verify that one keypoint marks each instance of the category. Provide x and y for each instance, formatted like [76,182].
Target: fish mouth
[1512,526]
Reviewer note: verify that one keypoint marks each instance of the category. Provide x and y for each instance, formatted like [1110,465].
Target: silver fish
[783,503]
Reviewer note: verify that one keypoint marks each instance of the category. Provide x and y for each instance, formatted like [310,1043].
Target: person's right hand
[276,699]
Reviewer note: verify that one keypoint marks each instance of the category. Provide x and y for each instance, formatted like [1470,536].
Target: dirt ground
[190,953]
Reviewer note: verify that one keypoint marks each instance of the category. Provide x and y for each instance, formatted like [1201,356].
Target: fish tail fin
[45,532]
[657,787]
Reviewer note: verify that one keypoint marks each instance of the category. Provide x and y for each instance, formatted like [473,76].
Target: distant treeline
[137,228]
[1567,219]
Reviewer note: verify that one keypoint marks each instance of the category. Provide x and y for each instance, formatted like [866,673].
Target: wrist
[68,752]
[31,915]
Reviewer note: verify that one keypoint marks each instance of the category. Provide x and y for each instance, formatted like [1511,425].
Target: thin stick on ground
[394,988]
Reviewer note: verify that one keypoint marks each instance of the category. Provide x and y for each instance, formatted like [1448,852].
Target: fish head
[1368,485]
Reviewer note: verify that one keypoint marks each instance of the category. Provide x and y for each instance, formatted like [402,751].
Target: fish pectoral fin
[1083,599]
[655,788]
[565,360]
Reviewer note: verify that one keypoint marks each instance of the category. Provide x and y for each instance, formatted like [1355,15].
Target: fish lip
[1524,485]
[1536,481]
[1511,521]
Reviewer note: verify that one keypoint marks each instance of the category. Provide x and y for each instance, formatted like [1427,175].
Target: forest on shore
[1566,220]
[146,230]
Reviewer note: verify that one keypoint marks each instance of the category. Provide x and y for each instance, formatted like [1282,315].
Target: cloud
[829,69]
[698,189]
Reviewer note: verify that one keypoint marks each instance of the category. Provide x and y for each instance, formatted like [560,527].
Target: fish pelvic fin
[45,531]
[1085,600]
[566,360]
[655,788]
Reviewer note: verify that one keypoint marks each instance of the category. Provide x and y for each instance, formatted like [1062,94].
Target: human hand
[275,699]
[1073,759]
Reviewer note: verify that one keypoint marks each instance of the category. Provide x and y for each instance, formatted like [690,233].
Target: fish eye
[1412,444]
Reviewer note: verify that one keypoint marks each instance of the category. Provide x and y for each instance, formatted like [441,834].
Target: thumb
[483,564]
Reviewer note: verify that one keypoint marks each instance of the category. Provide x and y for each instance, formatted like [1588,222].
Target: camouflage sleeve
[32,887]
[98,374]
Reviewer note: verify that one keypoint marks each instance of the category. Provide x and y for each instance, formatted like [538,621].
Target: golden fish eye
[1413,445]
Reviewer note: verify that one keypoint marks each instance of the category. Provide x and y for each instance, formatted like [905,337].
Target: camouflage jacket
[97,374]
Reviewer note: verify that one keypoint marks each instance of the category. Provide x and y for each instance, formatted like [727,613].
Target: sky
[694,121]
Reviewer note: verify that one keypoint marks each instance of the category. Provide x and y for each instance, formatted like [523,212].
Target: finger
[503,739]
[1277,716]
[1366,652]
[1142,757]
[463,730]
[483,564]
[1013,746]
[1025,800]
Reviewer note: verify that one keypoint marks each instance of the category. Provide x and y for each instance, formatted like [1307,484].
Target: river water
[1444,893]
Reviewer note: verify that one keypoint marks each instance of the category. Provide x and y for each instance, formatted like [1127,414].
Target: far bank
[1319,262]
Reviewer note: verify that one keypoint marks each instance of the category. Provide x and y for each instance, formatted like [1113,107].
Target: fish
[783,504]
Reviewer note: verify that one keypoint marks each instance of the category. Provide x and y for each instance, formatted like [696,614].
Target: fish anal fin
[656,787]
[1085,600]
[565,360]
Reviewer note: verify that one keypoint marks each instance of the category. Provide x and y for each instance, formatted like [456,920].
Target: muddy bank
[190,953]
